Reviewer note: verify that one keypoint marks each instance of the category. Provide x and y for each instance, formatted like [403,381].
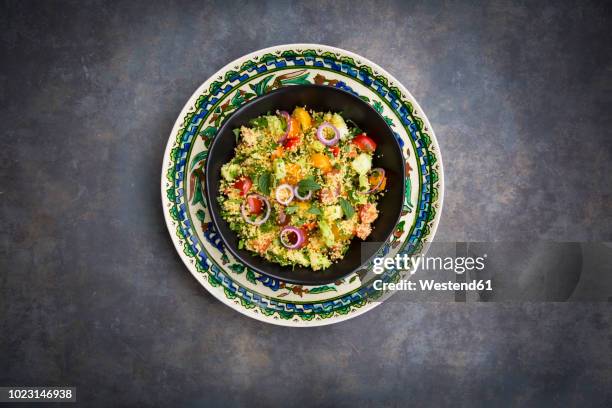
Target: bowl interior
[319,98]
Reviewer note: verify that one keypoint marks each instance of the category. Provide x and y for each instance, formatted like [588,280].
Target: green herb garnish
[260,122]
[292,209]
[308,184]
[315,210]
[347,208]
[263,182]
[237,134]
[267,226]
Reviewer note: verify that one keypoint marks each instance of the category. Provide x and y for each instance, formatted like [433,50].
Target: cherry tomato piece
[364,142]
[305,232]
[255,205]
[309,226]
[293,141]
[244,184]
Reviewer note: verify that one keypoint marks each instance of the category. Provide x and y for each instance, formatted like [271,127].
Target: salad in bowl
[301,186]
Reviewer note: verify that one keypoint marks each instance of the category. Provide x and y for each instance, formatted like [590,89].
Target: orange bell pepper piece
[321,161]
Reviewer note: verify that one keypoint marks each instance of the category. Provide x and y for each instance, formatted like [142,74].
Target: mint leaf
[347,208]
[308,184]
[263,183]
[292,209]
[315,210]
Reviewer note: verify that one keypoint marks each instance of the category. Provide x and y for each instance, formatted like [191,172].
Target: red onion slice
[286,188]
[287,117]
[380,181]
[296,191]
[299,237]
[245,211]
[321,134]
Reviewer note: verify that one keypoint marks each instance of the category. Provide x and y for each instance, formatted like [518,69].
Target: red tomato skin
[255,205]
[364,142]
[244,184]
[305,232]
[293,141]
[335,150]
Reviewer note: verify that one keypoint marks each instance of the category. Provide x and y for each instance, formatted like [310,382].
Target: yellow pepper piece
[336,232]
[303,117]
[375,179]
[278,152]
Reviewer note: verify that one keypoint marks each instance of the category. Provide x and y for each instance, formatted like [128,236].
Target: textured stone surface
[92,293]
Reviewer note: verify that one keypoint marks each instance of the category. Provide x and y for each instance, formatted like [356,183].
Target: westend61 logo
[457,265]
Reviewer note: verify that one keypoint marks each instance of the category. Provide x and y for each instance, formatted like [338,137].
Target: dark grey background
[92,293]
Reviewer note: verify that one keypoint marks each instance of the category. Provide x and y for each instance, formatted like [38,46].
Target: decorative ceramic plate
[185,210]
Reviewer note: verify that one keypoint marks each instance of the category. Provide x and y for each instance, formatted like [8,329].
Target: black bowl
[388,156]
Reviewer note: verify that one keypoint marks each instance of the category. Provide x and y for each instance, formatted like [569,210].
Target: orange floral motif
[321,80]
